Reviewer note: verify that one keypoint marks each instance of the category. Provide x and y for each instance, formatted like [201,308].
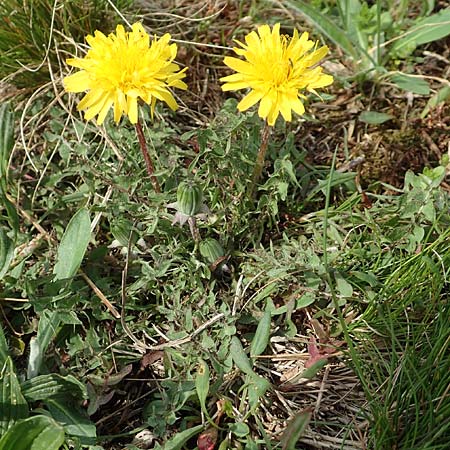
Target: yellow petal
[265,106]
[249,100]
[122,67]
[297,106]
[104,111]
[235,86]
[132,109]
[237,64]
[91,98]
[78,82]
[285,107]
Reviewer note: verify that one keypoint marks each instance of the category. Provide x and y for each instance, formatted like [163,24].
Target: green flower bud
[211,250]
[189,198]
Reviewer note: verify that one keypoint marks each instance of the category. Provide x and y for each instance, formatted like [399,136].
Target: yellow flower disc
[276,69]
[122,68]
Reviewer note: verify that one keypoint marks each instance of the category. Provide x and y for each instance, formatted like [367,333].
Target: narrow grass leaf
[261,338]
[374,118]
[4,351]
[6,140]
[35,433]
[13,405]
[239,356]
[6,252]
[325,26]
[409,83]
[425,30]
[11,213]
[73,245]
[177,442]
[295,429]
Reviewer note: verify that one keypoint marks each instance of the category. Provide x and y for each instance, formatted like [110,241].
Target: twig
[101,296]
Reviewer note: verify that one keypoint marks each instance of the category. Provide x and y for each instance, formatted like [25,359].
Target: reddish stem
[147,159]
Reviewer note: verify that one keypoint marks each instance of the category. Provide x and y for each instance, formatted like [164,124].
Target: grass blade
[295,429]
[326,27]
[6,140]
[6,252]
[4,351]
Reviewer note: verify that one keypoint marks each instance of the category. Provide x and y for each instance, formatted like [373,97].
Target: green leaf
[323,24]
[13,406]
[411,84]
[343,286]
[34,433]
[441,96]
[240,429]
[73,245]
[426,30]
[429,211]
[75,421]
[261,338]
[374,118]
[13,218]
[48,326]
[295,429]
[239,356]
[6,252]
[44,387]
[257,387]
[312,371]
[306,299]
[6,140]
[181,438]
[4,351]
[202,385]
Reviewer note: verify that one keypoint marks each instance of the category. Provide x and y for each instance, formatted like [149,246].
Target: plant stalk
[147,159]
[261,157]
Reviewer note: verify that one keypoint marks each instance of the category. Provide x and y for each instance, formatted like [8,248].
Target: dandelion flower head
[121,68]
[276,69]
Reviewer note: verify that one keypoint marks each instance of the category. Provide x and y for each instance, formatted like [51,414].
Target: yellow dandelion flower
[276,69]
[122,68]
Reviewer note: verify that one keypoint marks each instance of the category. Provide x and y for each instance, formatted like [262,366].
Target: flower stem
[147,159]
[265,134]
